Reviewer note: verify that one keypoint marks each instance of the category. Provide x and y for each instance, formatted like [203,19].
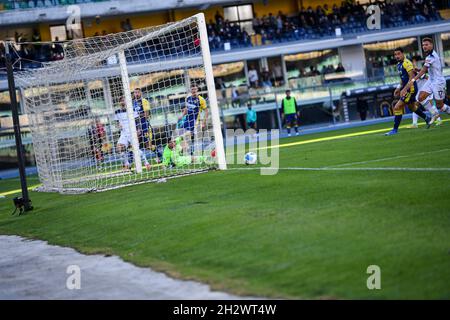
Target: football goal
[125,108]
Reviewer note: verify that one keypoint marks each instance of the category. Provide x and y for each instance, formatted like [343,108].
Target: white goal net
[125,108]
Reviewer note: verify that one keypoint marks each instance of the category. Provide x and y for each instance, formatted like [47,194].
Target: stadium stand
[307,24]
[320,22]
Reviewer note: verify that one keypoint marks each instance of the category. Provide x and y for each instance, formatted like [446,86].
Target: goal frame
[123,71]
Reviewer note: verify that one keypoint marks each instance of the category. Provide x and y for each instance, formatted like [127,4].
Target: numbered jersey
[434,65]
[122,117]
[194,106]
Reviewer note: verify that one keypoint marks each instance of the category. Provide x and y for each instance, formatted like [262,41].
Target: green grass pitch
[296,234]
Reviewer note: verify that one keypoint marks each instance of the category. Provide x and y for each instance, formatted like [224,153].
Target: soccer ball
[250,158]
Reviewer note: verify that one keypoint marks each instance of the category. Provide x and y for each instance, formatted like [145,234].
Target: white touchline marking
[345,169]
[388,158]
[339,167]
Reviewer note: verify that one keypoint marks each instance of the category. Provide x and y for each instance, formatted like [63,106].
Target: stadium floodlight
[122,109]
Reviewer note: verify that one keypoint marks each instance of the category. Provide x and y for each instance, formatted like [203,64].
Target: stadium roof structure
[102,9]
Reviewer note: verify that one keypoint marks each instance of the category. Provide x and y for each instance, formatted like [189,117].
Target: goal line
[345,169]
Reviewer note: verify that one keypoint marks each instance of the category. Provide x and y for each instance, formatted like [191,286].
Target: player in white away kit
[435,85]
[420,83]
[125,135]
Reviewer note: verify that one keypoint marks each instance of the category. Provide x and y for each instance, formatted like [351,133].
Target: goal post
[125,108]
[206,53]
[130,110]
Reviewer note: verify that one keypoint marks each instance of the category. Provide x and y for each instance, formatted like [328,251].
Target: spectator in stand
[335,21]
[235,99]
[313,72]
[246,41]
[210,26]
[266,83]
[302,21]
[211,36]
[264,37]
[221,86]
[256,22]
[336,10]
[340,68]
[310,17]
[277,36]
[253,77]
[272,21]
[36,37]
[218,17]
[126,25]
[328,11]
[328,69]
[19,37]
[57,51]
[279,23]
[301,72]
[28,52]
[278,74]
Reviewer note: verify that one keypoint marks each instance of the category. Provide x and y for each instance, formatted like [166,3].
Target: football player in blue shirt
[406,72]
[194,104]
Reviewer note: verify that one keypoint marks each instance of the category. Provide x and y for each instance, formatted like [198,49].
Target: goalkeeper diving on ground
[176,153]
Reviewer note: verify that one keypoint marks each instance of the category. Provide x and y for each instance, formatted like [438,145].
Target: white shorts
[124,139]
[438,90]
[420,84]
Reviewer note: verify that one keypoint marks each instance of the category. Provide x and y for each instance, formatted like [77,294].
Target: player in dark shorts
[406,72]
[290,112]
